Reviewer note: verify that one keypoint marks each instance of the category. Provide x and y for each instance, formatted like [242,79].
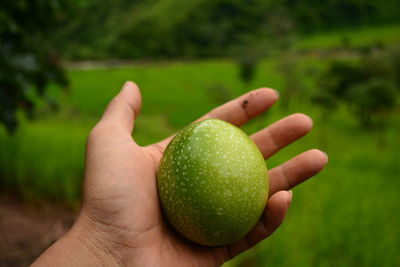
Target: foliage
[247,69]
[28,59]
[371,101]
[318,15]
[394,59]
[367,87]
[290,90]
[94,28]
[201,28]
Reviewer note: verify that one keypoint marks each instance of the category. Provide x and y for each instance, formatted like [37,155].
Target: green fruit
[212,183]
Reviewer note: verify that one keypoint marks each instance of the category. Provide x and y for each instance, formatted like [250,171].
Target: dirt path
[26,230]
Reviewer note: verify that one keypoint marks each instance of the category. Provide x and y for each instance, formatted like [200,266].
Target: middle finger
[283,132]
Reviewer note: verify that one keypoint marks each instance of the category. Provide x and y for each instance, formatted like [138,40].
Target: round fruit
[212,183]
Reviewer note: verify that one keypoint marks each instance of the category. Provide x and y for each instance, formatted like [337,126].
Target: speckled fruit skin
[212,183]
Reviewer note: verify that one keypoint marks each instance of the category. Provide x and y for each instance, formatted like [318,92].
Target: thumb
[124,108]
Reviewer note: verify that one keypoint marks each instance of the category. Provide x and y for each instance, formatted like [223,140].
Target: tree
[197,28]
[367,87]
[28,58]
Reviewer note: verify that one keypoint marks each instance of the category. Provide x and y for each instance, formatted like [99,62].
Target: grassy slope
[346,216]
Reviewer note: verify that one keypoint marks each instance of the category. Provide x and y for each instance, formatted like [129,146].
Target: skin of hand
[121,223]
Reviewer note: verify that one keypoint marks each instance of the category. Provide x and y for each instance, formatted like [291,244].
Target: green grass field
[348,215]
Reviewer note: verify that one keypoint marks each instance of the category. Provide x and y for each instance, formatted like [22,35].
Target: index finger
[237,111]
[242,109]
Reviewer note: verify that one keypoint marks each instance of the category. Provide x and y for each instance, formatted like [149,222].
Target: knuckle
[94,134]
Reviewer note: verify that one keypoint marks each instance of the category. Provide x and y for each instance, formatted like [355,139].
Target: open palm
[121,210]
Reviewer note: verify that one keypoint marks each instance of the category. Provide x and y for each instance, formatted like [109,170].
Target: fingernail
[291,194]
[326,156]
[276,93]
[126,85]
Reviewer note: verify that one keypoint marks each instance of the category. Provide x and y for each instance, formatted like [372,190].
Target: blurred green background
[337,61]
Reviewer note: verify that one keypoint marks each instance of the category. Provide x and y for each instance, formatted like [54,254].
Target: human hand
[121,223]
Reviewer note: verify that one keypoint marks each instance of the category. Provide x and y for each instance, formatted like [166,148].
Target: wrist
[80,246]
